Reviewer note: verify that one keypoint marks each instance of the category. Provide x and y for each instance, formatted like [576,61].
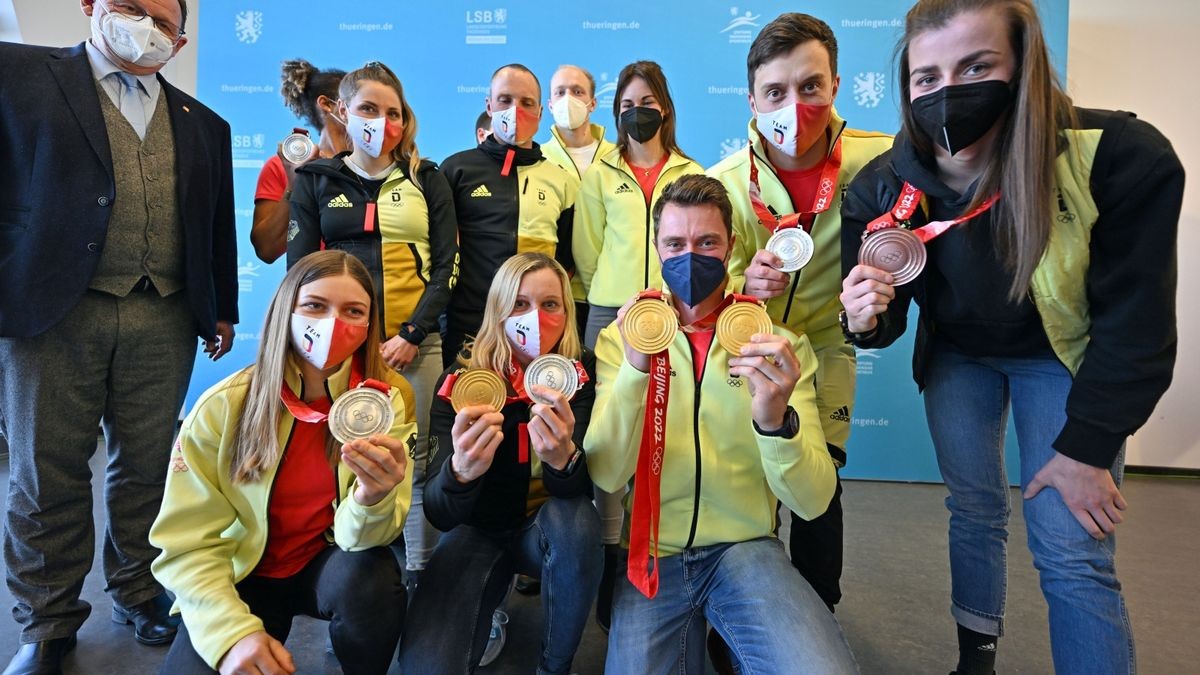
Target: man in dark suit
[117,248]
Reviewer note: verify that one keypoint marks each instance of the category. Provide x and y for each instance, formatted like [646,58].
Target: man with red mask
[508,197]
[789,181]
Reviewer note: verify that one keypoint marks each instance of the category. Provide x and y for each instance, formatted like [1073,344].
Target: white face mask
[569,112]
[366,133]
[504,125]
[137,42]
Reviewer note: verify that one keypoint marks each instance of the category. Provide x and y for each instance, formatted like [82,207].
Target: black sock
[976,652]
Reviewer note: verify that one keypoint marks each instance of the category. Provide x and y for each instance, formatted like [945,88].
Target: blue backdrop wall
[444,52]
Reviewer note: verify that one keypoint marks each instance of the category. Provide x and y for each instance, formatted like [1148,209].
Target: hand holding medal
[379,462]
[551,424]
[477,397]
[771,370]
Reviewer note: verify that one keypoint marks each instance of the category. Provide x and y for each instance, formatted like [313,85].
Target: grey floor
[896,593]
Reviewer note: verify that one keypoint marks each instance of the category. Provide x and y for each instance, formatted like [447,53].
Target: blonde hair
[490,348]
[257,447]
[1022,166]
[406,150]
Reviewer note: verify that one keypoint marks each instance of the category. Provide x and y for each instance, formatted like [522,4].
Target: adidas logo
[623,189]
[842,414]
[340,202]
[481,191]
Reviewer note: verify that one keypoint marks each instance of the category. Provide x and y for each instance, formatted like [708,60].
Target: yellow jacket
[613,241]
[556,151]
[810,306]
[213,533]
[720,478]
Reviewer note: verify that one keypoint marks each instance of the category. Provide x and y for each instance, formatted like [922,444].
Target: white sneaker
[497,637]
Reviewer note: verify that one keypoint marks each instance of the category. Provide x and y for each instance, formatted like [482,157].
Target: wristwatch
[571,463]
[791,425]
[851,336]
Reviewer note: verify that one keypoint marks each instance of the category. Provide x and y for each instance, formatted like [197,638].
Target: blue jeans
[470,570]
[769,616]
[966,404]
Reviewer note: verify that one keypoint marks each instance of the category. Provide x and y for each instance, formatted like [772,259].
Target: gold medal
[650,326]
[738,322]
[478,386]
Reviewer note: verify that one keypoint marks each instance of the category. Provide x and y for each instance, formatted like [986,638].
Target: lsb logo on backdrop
[487,26]
[742,27]
[869,88]
[248,26]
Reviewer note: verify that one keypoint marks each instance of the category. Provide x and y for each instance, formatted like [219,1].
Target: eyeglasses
[137,13]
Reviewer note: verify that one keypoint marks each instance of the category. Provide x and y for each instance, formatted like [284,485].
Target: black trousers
[816,548]
[360,594]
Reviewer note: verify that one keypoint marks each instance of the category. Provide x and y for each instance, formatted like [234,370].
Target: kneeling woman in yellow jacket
[266,515]
[509,482]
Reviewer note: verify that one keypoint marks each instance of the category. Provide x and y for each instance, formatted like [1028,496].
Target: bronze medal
[478,386]
[895,251]
[738,322]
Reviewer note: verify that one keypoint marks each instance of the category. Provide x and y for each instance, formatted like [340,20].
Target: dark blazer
[57,189]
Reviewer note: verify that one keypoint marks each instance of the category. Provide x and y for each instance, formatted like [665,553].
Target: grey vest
[145,236]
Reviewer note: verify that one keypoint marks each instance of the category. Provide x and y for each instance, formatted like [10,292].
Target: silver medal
[297,148]
[360,413]
[554,371]
[794,247]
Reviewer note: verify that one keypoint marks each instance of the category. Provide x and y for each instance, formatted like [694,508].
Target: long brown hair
[257,447]
[1022,166]
[491,349]
[406,149]
[651,73]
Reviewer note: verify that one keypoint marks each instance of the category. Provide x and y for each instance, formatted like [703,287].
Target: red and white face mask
[535,332]
[513,126]
[375,135]
[795,128]
[325,342]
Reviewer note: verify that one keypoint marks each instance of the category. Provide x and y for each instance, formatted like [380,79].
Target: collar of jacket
[836,126]
[336,385]
[596,130]
[335,167]
[922,172]
[521,156]
[616,159]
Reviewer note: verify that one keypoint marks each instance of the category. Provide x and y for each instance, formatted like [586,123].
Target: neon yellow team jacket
[555,151]
[720,478]
[810,306]
[213,533]
[613,242]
